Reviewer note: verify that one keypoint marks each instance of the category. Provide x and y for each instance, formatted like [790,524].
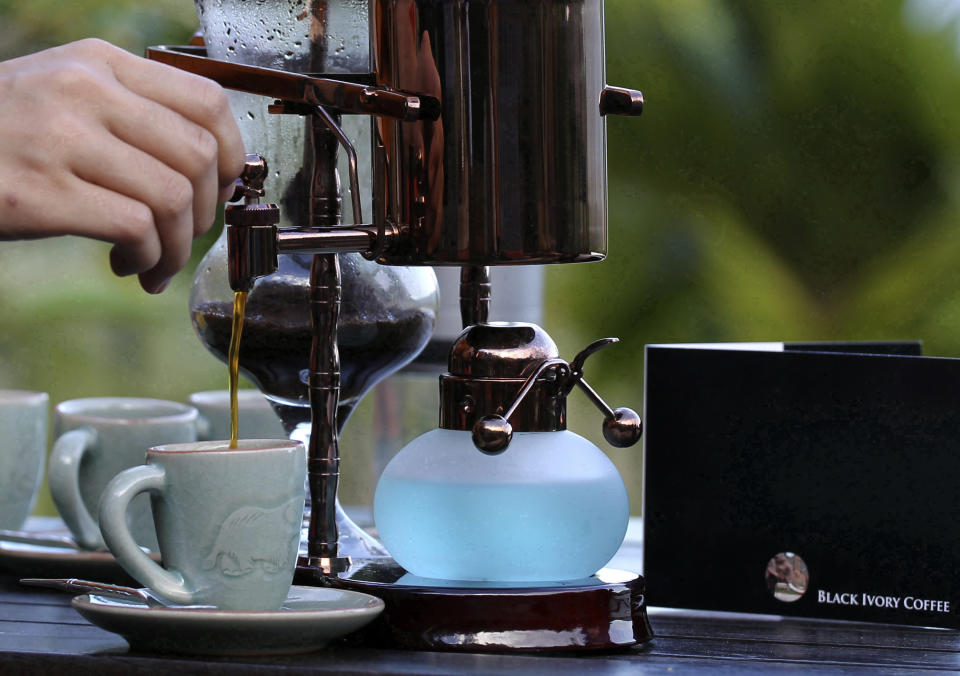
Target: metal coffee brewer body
[488,148]
[489,143]
[514,169]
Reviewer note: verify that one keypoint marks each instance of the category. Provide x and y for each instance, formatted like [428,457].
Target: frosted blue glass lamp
[502,491]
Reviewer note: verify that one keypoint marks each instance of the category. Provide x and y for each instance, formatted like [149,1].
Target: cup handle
[64,481]
[167,584]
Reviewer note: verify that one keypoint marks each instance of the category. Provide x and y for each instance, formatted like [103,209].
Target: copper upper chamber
[497,156]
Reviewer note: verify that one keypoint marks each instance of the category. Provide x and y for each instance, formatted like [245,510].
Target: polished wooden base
[603,612]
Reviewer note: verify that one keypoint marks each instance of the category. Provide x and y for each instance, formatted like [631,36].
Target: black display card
[818,480]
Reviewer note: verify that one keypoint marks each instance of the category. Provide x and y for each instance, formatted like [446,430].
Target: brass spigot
[251,228]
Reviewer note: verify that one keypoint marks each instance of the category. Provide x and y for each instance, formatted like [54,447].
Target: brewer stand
[603,612]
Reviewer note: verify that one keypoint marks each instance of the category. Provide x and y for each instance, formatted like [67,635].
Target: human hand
[97,142]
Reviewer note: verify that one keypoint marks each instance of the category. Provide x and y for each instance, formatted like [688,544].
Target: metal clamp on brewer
[510,377]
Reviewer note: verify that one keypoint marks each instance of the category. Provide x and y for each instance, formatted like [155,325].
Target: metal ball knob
[623,429]
[255,171]
[250,182]
[492,434]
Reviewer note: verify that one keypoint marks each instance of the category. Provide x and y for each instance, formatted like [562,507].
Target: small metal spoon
[73,584]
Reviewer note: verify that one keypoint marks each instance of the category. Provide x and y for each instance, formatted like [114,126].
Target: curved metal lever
[338,95]
[622,426]
[576,366]
[332,125]
[493,433]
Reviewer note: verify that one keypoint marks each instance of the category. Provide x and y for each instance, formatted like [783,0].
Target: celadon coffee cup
[228,521]
[23,447]
[255,416]
[96,439]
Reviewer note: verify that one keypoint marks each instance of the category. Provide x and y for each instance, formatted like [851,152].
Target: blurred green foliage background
[794,177]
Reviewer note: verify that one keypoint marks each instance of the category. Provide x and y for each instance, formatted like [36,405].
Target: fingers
[127,171]
[194,130]
[73,206]
[185,147]
[149,149]
[197,99]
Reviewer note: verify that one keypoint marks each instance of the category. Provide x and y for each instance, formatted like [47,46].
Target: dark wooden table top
[41,633]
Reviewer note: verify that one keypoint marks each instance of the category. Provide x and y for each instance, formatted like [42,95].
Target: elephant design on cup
[254,537]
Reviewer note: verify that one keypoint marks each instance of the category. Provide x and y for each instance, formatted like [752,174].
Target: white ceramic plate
[310,617]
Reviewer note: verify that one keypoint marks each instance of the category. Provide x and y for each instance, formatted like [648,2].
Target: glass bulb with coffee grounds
[386,318]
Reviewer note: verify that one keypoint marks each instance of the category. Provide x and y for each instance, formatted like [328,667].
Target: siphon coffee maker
[487,146]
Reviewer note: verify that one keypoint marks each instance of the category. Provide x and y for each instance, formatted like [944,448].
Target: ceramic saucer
[43,548]
[310,617]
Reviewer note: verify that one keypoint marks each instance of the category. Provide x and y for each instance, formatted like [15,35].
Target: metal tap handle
[250,183]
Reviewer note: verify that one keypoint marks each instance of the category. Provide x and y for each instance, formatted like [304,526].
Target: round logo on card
[787,577]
